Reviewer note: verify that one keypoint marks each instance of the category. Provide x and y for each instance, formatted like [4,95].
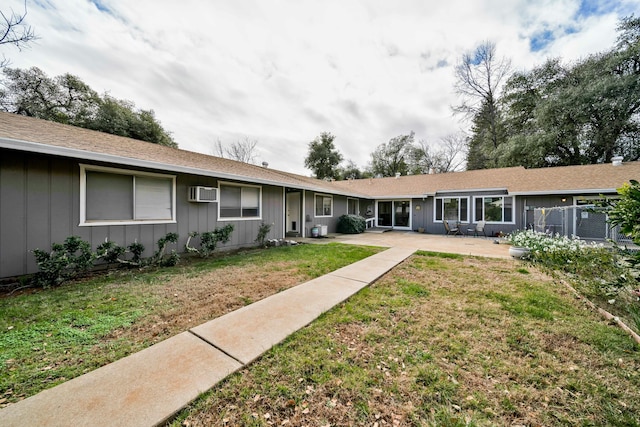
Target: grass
[49,336]
[440,340]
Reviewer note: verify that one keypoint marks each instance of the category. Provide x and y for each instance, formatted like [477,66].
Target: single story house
[58,180]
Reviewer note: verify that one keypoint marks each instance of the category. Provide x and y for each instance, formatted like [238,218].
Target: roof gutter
[549,192]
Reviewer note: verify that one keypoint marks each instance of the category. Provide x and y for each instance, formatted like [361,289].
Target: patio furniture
[451,230]
[479,228]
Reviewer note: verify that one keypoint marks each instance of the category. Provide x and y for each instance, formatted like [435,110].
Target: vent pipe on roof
[398,175]
[616,160]
[265,164]
[431,171]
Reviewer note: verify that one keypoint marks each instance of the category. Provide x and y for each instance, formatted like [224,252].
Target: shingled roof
[583,179]
[35,135]
[41,136]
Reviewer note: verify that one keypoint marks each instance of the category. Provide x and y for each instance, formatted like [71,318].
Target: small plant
[136,249]
[65,261]
[112,253]
[351,224]
[209,240]
[159,257]
[262,234]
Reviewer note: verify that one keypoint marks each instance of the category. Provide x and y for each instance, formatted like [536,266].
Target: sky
[281,72]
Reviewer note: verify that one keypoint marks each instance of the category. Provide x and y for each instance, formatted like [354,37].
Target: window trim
[357,205]
[129,172]
[435,208]
[502,196]
[239,218]
[315,211]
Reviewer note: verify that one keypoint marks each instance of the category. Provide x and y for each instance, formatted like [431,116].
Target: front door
[293,213]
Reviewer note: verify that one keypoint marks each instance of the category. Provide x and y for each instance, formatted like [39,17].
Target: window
[324,205]
[109,196]
[452,209]
[494,209]
[240,201]
[352,207]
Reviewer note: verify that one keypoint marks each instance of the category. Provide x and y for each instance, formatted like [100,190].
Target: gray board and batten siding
[40,205]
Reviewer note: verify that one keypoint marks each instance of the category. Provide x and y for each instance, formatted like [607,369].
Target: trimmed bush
[351,224]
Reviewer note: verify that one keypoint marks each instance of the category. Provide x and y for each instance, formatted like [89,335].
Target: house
[58,180]
[553,200]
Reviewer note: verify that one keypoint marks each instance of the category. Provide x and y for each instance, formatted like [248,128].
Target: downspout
[284,212]
[303,217]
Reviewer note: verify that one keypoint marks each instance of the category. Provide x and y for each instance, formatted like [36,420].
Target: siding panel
[13,245]
[38,195]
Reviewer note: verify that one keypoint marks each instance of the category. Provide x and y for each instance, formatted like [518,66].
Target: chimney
[616,160]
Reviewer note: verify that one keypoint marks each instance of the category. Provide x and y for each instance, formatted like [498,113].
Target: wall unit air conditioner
[203,194]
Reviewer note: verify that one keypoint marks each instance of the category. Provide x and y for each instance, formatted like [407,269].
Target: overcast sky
[281,72]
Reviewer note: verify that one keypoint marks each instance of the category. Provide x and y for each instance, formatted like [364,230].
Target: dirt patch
[192,299]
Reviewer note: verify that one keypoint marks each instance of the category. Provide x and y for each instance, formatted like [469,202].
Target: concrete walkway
[148,387]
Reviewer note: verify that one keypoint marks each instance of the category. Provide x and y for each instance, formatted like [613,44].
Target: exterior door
[385,217]
[293,213]
[396,214]
[402,212]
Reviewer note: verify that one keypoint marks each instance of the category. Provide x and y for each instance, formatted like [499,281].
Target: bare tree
[447,156]
[478,78]
[14,30]
[452,152]
[241,150]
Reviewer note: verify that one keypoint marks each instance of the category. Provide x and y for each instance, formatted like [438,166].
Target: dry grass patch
[440,341]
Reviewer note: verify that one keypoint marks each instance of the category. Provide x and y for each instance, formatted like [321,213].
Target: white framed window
[323,205]
[452,209]
[496,209]
[353,206]
[110,196]
[239,201]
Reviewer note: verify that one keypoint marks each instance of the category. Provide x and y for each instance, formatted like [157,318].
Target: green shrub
[65,261]
[209,240]
[159,257]
[262,234]
[351,224]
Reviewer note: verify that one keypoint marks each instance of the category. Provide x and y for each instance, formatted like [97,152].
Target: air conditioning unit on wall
[203,194]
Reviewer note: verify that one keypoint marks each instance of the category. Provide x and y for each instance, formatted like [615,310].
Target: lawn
[440,340]
[52,335]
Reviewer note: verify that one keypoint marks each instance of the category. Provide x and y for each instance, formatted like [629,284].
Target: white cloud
[282,72]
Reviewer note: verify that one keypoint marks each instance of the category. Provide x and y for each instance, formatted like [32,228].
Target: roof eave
[35,147]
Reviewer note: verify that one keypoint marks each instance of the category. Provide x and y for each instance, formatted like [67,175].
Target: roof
[40,136]
[581,179]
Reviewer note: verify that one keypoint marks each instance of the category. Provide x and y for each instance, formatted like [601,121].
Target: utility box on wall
[322,229]
[203,194]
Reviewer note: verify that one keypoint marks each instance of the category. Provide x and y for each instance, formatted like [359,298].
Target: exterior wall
[40,205]
[339,209]
[425,216]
